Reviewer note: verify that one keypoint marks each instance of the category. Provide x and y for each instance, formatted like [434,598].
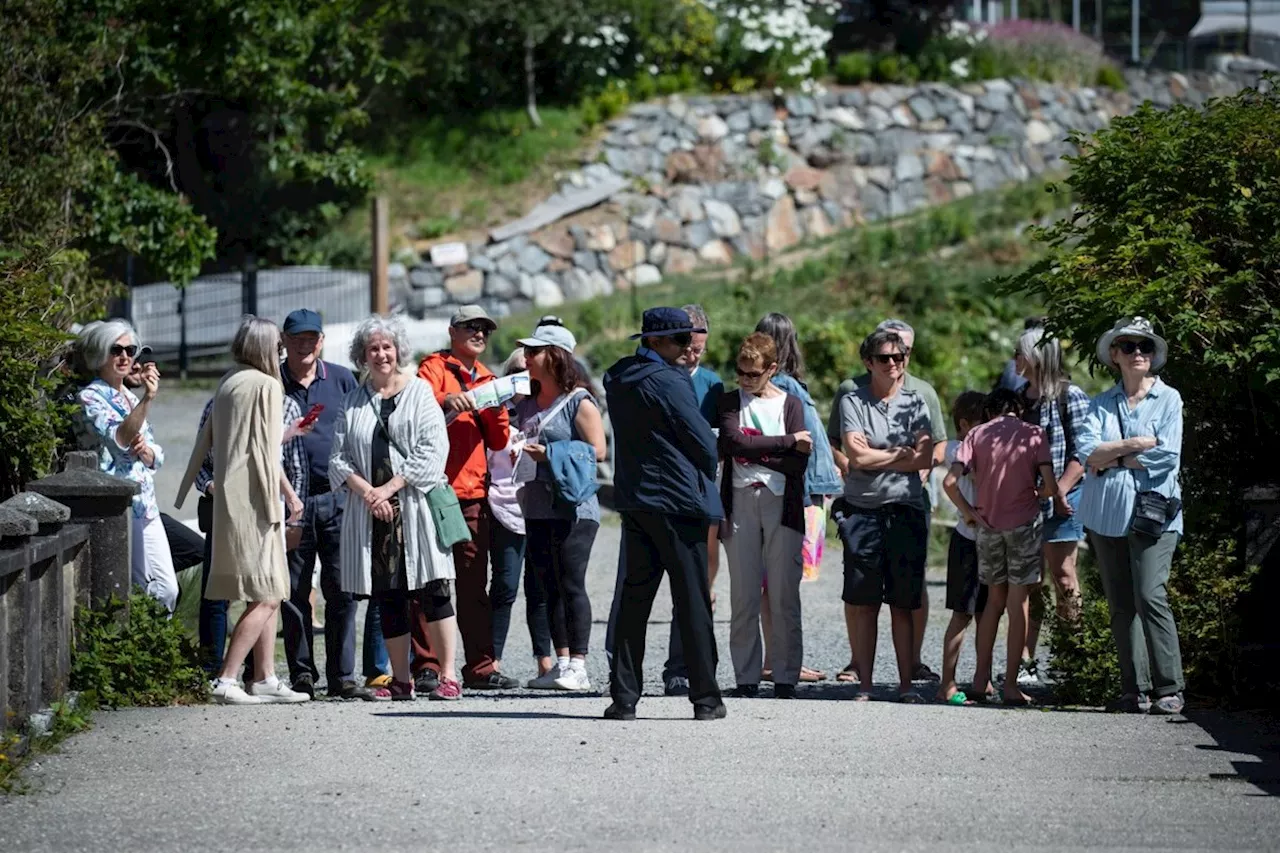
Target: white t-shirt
[766,415]
[967,487]
[503,489]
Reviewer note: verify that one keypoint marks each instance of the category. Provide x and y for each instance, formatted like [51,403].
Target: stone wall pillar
[104,504]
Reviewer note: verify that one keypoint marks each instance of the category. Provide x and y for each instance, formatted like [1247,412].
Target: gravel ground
[544,772]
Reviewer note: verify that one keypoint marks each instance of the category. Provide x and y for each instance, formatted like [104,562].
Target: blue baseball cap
[664,322]
[302,320]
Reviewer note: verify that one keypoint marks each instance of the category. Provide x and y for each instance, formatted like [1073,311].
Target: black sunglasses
[682,340]
[751,374]
[886,357]
[477,328]
[1144,346]
[117,350]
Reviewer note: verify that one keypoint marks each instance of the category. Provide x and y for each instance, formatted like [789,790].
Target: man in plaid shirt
[213,614]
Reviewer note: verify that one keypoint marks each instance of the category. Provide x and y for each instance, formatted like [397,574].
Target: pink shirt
[1003,457]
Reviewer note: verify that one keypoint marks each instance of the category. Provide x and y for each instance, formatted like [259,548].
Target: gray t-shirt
[888,423]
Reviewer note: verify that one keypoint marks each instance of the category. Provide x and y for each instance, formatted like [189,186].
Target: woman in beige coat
[248,513]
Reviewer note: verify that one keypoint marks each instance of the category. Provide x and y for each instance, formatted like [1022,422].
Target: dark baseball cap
[302,320]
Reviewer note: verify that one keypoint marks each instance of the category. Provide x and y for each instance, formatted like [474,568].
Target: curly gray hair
[390,328]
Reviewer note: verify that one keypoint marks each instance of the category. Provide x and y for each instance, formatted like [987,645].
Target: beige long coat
[248,515]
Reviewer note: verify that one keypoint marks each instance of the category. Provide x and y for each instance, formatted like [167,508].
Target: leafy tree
[1177,222]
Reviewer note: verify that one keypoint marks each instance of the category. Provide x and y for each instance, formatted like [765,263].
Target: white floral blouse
[102,410]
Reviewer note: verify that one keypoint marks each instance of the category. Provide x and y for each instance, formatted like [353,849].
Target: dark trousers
[321,530]
[507,556]
[560,551]
[475,618]
[675,666]
[654,543]
[186,547]
[213,614]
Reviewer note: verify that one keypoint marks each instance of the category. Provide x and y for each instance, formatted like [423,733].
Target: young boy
[1004,455]
[966,595]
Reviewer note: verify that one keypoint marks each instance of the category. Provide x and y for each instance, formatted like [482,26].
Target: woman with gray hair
[389,451]
[112,422]
[246,432]
[1059,408]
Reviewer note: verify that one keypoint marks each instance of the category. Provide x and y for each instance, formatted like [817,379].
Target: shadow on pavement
[480,715]
[1255,733]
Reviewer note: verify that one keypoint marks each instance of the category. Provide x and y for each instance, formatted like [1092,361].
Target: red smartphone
[312,416]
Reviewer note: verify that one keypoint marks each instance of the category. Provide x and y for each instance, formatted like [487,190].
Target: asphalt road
[541,772]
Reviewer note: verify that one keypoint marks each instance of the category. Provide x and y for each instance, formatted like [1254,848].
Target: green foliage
[1176,222]
[151,660]
[1110,76]
[854,68]
[15,750]
[890,68]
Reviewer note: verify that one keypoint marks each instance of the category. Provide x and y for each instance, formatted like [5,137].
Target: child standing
[966,594]
[1004,456]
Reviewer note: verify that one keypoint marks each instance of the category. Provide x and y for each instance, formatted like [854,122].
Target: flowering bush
[782,43]
[1045,50]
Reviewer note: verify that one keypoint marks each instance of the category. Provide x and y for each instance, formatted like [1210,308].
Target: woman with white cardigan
[389,451]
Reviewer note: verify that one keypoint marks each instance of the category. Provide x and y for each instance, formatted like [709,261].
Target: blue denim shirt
[1106,505]
[821,477]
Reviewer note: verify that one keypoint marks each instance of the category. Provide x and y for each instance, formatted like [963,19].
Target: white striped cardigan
[417,425]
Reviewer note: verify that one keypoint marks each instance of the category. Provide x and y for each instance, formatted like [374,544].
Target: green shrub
[1110,76]
[889,68]
[151,660]
[854,68]
[1176,223]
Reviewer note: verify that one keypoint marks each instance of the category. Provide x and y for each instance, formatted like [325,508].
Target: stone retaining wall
[714,180]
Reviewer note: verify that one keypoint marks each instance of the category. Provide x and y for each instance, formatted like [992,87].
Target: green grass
[446,174]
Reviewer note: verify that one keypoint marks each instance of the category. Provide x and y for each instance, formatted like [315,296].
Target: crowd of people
[432,493]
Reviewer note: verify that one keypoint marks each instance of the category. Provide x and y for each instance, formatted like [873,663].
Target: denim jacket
[573,469]
[821,477]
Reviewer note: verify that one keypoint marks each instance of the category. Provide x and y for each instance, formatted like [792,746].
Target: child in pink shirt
[1004,457]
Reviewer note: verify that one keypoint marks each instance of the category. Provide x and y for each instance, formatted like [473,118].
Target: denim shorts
[1071,529]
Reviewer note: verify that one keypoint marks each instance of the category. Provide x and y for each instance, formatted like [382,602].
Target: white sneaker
[573,678]
[233,694]
[1029,674]
[548,679]
[278,694]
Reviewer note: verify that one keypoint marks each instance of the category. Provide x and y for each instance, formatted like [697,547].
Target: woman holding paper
[563,436]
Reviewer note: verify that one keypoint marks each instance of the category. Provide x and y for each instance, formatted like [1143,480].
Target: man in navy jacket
[664,489]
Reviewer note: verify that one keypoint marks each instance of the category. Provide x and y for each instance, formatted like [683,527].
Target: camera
[145,356]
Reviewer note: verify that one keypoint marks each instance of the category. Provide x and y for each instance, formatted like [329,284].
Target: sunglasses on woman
[1143,346]
[751,374]
[886,357]
[117,350]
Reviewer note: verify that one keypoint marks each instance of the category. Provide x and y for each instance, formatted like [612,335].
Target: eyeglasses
[751,374]
[117,350]
[1144,346]
[682,340]
[532,351]
[886,357]
[476,327]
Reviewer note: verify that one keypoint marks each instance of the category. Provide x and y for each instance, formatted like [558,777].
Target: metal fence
[199,321]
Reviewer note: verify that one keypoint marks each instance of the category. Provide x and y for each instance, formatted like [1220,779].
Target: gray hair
[1044,356]
[514,363]
[93,346]
[257,345]
[390,328]
[698,316]
[873,342]
[783,331]
[895,325]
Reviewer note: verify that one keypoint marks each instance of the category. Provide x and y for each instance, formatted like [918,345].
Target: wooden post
[379,284]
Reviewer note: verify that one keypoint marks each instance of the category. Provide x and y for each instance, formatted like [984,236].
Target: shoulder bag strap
[383,422]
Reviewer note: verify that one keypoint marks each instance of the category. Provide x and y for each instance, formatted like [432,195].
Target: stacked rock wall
[718,179]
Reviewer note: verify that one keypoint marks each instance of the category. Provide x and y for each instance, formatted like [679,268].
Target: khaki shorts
[1011,556]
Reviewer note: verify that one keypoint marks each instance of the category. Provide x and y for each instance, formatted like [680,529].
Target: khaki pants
[761,550]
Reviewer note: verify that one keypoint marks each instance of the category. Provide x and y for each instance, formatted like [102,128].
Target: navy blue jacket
[665,453]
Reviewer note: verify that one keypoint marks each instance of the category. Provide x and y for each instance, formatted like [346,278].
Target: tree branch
[155,136]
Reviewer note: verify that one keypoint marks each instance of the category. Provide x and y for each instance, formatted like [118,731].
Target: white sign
[449,254]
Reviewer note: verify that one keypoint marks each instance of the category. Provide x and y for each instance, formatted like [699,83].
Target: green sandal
[958,698]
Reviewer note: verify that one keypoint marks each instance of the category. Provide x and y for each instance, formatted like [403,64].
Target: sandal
[958,699]
[860,696]
[1017,702]
[923,673]
[911,698]
[812,675]
[848,675]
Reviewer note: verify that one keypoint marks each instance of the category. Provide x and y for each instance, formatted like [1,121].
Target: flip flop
[1024,702]
[911,698]
[812,675]
[860,696]
[958,699]
[848,675]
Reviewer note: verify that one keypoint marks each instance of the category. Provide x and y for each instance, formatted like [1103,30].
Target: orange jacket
[470,433]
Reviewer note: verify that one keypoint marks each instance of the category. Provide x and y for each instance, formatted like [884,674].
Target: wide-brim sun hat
[1132,327]
[551,336]
[665,322]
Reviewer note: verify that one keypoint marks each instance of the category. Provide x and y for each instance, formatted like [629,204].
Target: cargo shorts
[1011,556]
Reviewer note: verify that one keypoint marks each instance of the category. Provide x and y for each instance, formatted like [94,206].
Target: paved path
[543,772]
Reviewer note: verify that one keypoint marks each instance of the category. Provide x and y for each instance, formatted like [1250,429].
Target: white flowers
[786,29]
[960,68]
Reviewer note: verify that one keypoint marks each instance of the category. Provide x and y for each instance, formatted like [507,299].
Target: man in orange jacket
[451,373]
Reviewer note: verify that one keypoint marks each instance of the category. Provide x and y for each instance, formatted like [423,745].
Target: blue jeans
[507,551]
[213,614]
